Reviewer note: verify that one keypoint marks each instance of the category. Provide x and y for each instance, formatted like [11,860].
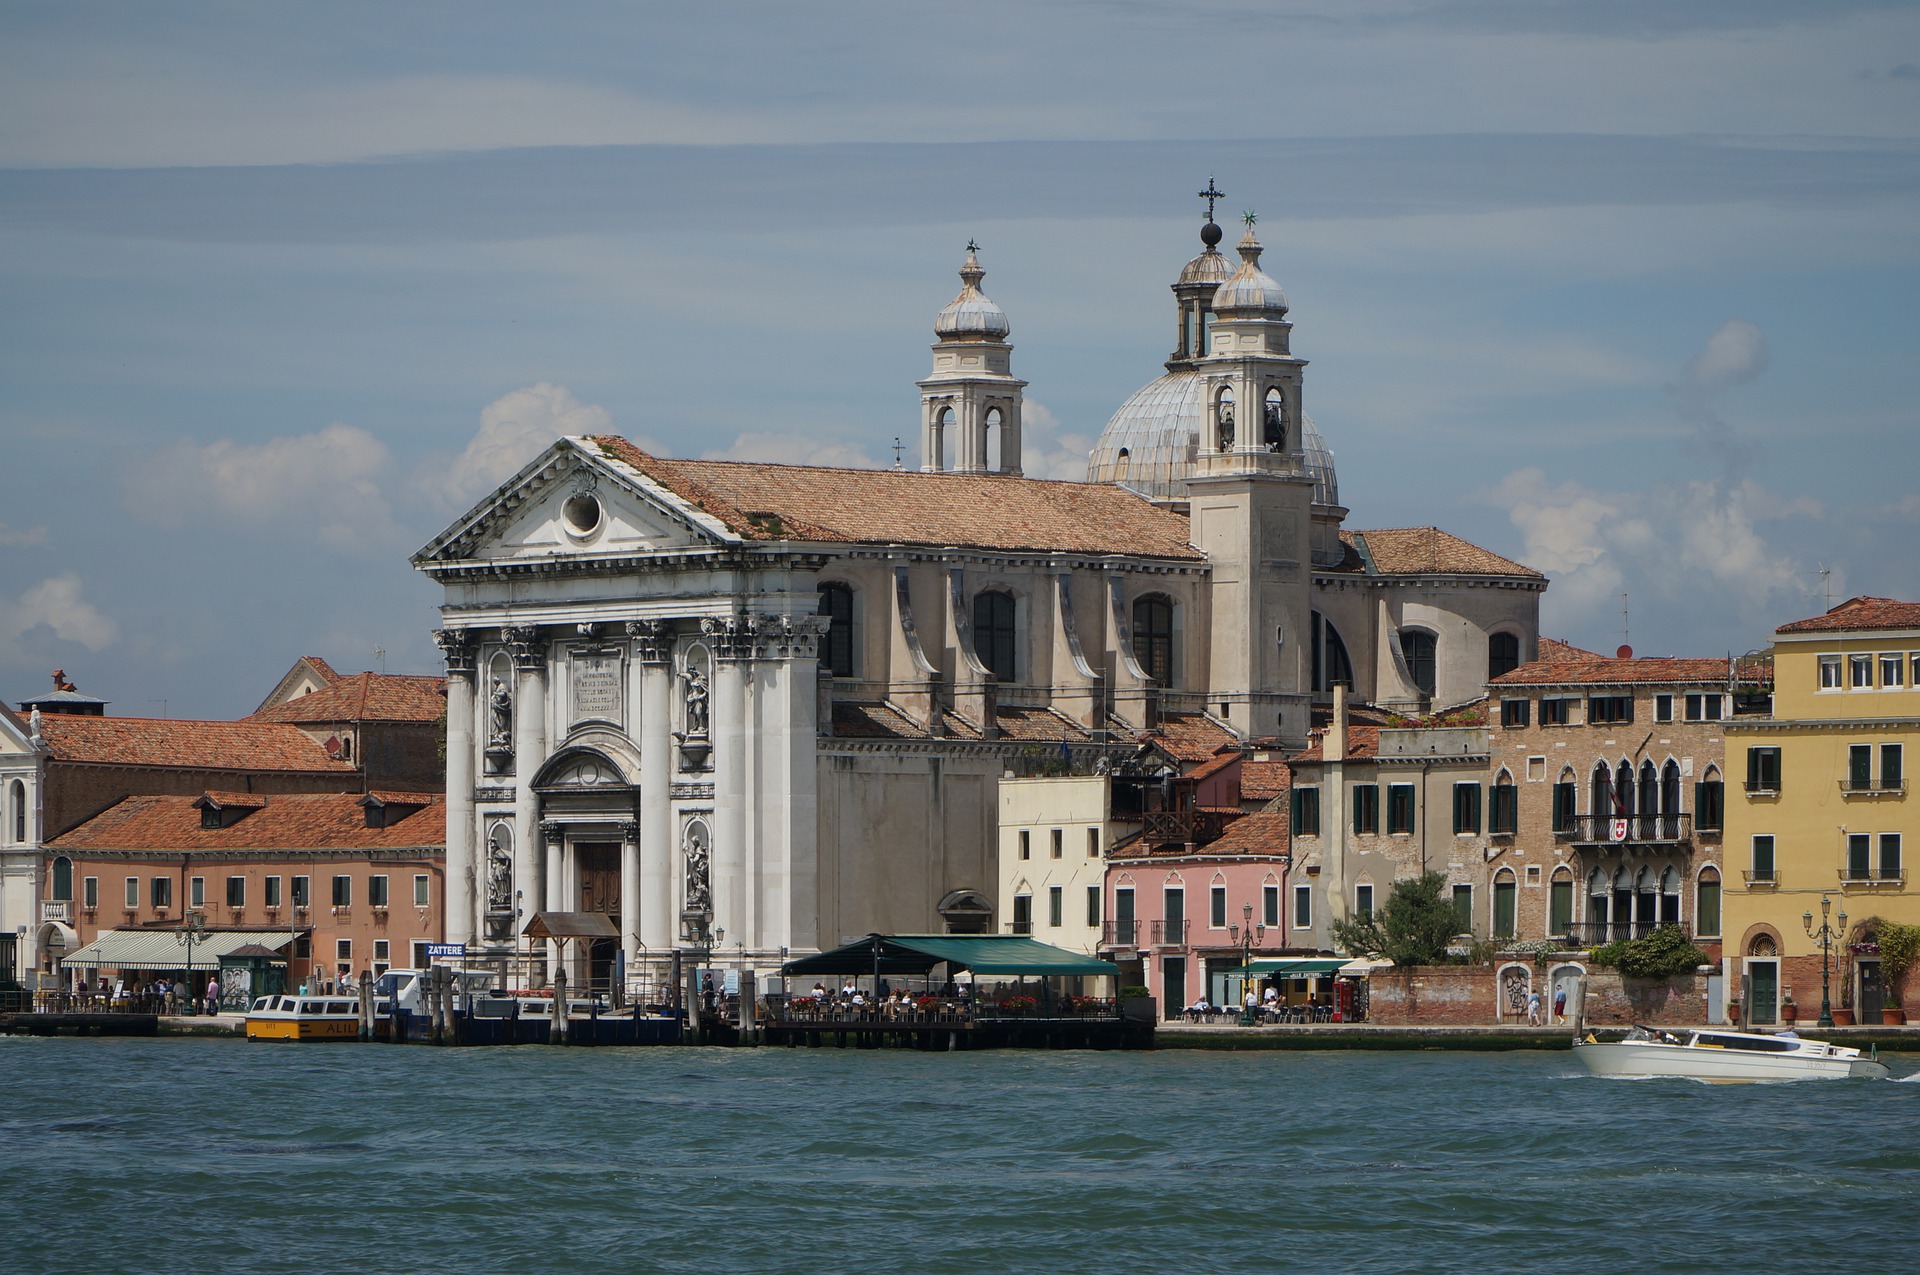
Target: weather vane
[1210,194]
[1249,216]
[972,246]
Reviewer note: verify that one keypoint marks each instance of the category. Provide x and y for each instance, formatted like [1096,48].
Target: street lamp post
[1248,936]
[1825,936]
[193,929]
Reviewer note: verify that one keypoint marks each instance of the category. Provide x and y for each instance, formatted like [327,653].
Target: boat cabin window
[1759,1044]
[312,1007]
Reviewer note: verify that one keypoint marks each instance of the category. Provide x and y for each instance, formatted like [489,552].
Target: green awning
[919,953]
[158,949]
[1295,967]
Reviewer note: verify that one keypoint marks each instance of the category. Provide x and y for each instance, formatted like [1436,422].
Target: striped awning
[163,950]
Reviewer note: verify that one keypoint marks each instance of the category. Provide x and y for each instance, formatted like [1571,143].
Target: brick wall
[1468,996]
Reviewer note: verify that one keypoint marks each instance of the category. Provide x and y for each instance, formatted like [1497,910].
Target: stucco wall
[1469,995]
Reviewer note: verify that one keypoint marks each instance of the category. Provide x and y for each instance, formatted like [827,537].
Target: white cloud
[1734,355]
[1691,550]
[1046,452]
[514,428]
[325,484]
[26,537]
[56,604]
[794,449]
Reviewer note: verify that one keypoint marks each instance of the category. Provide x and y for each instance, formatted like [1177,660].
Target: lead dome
[972,314]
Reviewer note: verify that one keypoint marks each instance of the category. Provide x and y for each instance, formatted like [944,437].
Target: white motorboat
[1725,1056]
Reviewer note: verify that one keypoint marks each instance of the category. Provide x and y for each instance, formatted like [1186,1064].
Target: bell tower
[972,399]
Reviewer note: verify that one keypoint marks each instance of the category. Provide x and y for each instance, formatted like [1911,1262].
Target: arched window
[1601,793]
[1503,654]
[1623,790]
[19,803]
[943,437]
[1274,421]
[1706,904]
[1418,647]
[1153,638]
[1223,418]
[1122,461]
[1670,897]
[1670,800]
[1649,797]
[63,878]
[1503,816]
[992,440]
[836,644]
[993,634]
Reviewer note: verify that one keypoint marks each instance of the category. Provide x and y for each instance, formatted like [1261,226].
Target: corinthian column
[733,663]
[459,915]
[653,650]
[528,646]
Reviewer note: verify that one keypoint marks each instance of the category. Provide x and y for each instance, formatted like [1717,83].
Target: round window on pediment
[582,513]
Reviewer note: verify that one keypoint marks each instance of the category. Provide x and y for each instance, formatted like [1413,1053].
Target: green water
[202,1156]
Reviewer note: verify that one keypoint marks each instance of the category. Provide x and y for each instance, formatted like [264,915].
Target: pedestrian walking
[1560,1003]
[213,994]
[1533,1009]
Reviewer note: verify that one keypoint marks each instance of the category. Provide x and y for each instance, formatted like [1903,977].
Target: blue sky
[1624,291]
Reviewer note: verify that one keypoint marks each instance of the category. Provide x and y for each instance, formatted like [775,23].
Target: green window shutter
[1560,908]
[1505,898]
[1707,909]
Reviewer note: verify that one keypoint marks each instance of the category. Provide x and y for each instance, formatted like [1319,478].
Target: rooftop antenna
[380,653]
[1626,629]
[1826,585]
[898,447]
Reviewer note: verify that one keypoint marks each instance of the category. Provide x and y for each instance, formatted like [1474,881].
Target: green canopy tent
[1290,967]
[915,955]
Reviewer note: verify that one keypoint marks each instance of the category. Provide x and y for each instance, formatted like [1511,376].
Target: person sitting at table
[1199,1007]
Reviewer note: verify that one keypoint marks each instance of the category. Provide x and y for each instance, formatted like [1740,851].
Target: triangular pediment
[574,500]
[13,736]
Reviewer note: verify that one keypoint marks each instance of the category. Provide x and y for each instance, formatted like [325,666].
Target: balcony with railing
[57,910]
[1856,875]
[1595,933]
[1186,827]
[1120,935]
[1168,933]
[1635,830]
[1856,787]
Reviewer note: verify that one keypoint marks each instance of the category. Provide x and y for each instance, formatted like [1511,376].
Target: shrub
[1899,945]
[1414,928]
[1662,954]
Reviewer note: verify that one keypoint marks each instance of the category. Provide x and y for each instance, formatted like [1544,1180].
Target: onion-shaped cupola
[972,315]
[1251,292]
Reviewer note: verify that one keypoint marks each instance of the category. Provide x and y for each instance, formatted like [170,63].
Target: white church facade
[758,709]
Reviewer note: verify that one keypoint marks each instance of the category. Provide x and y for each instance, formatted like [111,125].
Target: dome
[1158,430]
[971,314]
[1252,291]
[1209,267]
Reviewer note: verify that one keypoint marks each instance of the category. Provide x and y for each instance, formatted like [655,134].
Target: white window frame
[422,890]
[196,892]
[1893,662]
[1216,907]
[1059,843]
[1859,671]
[1093,843]
[1303,907]
[1832,676]
[1363,901]
[343,950]
[133,894]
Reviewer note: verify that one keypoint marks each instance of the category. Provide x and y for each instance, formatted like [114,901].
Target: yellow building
[1825,812]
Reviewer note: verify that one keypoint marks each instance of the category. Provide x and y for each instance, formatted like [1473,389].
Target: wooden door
[599,876]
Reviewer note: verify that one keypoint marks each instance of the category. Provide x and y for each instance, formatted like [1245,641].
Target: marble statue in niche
[698,911]
[499,872]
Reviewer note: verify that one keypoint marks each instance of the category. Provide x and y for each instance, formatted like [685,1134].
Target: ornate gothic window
[993,634]
[1153,638]
[836,645]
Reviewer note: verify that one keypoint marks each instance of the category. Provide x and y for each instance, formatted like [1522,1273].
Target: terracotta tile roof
[891,506]
[189,745]
[1189,737]
[1038,724]
[1859,615]
[857,720]
[1400,551]
[1264,780]
[394,797]
[1363,744]
[1554,649]
[1636,671]
[320,821]
[1213,766]
[231,800]
[321,667]
[365,697]
[1262,832]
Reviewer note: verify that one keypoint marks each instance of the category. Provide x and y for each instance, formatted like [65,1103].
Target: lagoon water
[197,1155]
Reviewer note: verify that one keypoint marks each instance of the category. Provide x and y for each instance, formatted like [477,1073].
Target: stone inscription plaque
[596,687]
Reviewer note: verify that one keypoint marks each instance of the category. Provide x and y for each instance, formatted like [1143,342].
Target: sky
[1622,291]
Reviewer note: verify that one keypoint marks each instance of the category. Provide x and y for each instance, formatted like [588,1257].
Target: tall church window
[1153,638]
[993,634]
[836,645]
[1330,662]
[1418,647]
[993,439]
[1274,422]
[19,795]
[1503,654]
[63,878]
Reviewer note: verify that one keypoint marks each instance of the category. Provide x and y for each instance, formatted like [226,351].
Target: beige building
[1052,858]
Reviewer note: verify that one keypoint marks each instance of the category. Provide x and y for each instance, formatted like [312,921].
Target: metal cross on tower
[1210,194]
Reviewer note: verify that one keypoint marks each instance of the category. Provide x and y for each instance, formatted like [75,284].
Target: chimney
[1333,747]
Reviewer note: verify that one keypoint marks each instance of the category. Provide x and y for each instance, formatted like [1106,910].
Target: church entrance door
[600,892]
